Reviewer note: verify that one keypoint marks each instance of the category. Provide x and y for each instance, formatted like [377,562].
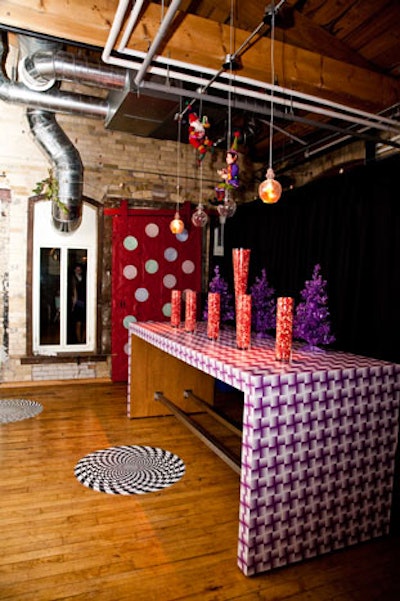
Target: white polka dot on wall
[130,272]
[188,266]
[152,230]
[151,266]
[170,254]
[130,243]
[128,319]
[183,236]
[126,348]
[166,310]
[169,281]
[141,295]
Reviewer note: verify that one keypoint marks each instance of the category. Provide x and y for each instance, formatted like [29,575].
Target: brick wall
[116,165]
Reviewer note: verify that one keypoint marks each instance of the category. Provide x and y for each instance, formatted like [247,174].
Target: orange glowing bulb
[270,190]
[177,226]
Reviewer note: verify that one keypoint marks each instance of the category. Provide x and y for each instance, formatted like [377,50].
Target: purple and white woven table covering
[318,443]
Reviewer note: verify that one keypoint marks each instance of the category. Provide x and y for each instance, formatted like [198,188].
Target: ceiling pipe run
[165,23]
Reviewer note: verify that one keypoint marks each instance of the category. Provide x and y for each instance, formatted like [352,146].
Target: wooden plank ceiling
[345,52]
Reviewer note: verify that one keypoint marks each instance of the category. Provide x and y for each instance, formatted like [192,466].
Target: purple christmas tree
[263,313]
[311,321]
[218,284]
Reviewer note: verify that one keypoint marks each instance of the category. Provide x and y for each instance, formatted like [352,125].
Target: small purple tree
[218,284]
[311,321]
[263,313]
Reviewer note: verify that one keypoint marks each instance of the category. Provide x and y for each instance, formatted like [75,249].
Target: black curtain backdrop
[350,225]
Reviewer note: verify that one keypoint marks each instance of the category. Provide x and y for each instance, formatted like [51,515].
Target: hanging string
[271,121]
[178,160]
[231,44]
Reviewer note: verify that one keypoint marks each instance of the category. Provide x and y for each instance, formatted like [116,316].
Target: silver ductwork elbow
[67,208]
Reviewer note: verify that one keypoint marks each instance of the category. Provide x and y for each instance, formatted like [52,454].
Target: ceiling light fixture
[270,189]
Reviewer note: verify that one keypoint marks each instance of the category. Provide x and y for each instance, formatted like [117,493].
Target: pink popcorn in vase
[190,310]
[213,317]
[241,261]
[176,297]
[284,327]
[243,321]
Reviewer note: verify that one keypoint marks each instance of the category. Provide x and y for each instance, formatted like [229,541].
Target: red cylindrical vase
[243,321]
[190,310]
[213,314]
[284,327]
[241,261]
[176,297]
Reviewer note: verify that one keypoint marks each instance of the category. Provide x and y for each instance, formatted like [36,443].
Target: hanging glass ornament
[200,217]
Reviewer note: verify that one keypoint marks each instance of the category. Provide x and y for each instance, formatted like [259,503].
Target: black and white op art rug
[129,470]
[15,410]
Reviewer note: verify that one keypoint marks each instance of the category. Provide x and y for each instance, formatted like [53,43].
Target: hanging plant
[49,188]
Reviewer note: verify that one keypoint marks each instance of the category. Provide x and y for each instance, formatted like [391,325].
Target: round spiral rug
[15,410]
[129,470]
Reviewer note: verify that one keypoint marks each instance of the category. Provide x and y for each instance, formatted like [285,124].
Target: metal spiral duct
[67,208]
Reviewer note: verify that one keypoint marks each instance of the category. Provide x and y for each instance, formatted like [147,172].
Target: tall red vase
[190,310]
[176,298]
[284,328]
[213,314]
[243,321]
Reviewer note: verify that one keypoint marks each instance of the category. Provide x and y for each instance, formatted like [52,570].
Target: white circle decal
[130,272]
[152,230]
[128,319]
[188,266]
[170,254]
[183,236]
[141,295]
[130,243]
[167,310]
[151,266]
[169,281]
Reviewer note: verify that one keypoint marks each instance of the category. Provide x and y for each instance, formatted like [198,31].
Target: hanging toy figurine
[230,173]
[197,135]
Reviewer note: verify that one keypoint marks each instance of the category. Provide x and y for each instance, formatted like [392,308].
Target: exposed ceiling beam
[205,42]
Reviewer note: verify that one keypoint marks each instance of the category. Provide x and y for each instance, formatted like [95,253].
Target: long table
[318,442]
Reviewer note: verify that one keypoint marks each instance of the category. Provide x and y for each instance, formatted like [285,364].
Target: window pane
[49,296]
[76,321]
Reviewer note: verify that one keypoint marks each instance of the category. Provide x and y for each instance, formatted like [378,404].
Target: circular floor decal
[129,470]
[15,410]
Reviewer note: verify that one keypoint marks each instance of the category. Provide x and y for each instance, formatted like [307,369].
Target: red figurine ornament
[197,135]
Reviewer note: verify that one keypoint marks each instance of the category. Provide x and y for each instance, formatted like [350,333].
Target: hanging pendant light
[200,217]
[270,189]
[176,225]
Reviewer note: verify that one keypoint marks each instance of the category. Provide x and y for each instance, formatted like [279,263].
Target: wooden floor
[60,540]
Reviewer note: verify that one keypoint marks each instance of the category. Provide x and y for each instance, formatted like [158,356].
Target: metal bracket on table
[211,441]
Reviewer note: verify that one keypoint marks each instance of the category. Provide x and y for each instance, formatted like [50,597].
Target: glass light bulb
[200,217]
[227,209]
[270,190]
[177,226]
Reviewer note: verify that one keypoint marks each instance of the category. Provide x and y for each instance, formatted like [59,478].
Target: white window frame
[45,235]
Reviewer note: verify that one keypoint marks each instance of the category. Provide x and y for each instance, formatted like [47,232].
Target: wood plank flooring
[60,540]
